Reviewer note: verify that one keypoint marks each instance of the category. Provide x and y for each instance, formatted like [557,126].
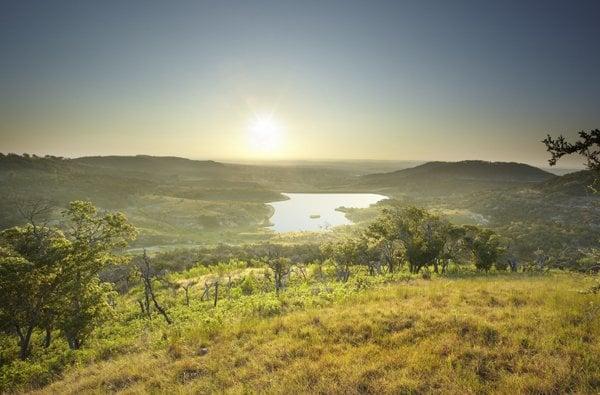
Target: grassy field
[471,334]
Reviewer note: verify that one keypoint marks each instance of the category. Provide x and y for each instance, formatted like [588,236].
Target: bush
[268,306]
[249,285]
[22,374]
[426,274]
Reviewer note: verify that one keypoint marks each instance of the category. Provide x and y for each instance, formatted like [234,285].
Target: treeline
[424,242]
[61,279]
[406,239]
[401,239]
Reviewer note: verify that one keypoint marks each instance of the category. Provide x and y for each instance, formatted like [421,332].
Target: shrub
[21,374]
[249,285]
[268,306]
[426,274]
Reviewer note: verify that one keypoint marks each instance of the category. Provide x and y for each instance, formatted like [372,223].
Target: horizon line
[241,160]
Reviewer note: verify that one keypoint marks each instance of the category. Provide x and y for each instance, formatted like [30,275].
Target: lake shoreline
[320,211]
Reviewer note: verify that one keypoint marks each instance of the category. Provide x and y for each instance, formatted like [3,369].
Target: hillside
[565,200]
[528,206]
[174,169]
[517,334]
[438,178]
[572,184]
[61,180]
[154,165]
[176,200]
[171,200]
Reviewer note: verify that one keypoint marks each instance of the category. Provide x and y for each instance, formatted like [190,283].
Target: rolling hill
[171,200]
[153,165]
[441,178]
[176,200]
[571,184]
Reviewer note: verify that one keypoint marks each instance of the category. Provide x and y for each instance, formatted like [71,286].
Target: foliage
[588,146]
[416,337]
[421,234]
[50,279]
[485,246]
[206,293]
[31,280]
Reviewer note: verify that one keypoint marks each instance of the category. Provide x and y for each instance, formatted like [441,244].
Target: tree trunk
[24,341]
[277,283]
[513,263]
[158,307]
[74,343]
[346,272]
[445,263]
[147,300]
[48,338]
[150,292]
[206,294]
[216,294]
[142,306]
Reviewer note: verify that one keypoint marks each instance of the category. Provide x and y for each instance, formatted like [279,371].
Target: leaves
[51,279]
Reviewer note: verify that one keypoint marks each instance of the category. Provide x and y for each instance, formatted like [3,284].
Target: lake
[316,211]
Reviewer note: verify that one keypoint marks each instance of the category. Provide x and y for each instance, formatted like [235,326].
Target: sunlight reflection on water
[295,213]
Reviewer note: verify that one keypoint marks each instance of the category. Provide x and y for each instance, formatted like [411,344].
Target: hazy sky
[326,79]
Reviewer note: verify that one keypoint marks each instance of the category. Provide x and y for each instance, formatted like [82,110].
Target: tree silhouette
[588,146]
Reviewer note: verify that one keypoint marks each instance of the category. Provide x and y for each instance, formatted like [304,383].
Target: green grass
[477,334]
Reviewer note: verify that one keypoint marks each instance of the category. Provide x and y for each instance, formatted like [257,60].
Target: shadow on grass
[494,274]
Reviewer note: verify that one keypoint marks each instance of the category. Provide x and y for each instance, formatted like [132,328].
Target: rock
[202,351]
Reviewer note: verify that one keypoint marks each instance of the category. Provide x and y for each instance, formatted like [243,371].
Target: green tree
[344,254]
[383,236]
[421,234]
[93,238]
[453,249]
[368,254]
[31,280]
[281,268]
[485,246]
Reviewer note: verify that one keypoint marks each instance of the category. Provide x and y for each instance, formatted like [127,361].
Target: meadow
[492,290]
[460,333]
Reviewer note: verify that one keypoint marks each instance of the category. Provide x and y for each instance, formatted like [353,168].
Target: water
[295,213]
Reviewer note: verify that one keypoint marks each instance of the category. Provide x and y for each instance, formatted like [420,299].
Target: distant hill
[154,165]
[572,184]
[62,180]
[170,199]
[455,177]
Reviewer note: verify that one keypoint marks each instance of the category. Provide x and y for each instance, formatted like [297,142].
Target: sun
[265,133]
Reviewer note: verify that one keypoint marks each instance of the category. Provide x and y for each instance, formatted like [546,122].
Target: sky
[390,80]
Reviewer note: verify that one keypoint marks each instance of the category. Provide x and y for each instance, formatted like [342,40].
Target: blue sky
[342,79]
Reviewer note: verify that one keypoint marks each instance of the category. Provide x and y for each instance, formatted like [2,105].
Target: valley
[239,251]
[176,201]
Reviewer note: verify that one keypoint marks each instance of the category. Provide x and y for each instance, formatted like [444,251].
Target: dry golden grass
[502,334]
